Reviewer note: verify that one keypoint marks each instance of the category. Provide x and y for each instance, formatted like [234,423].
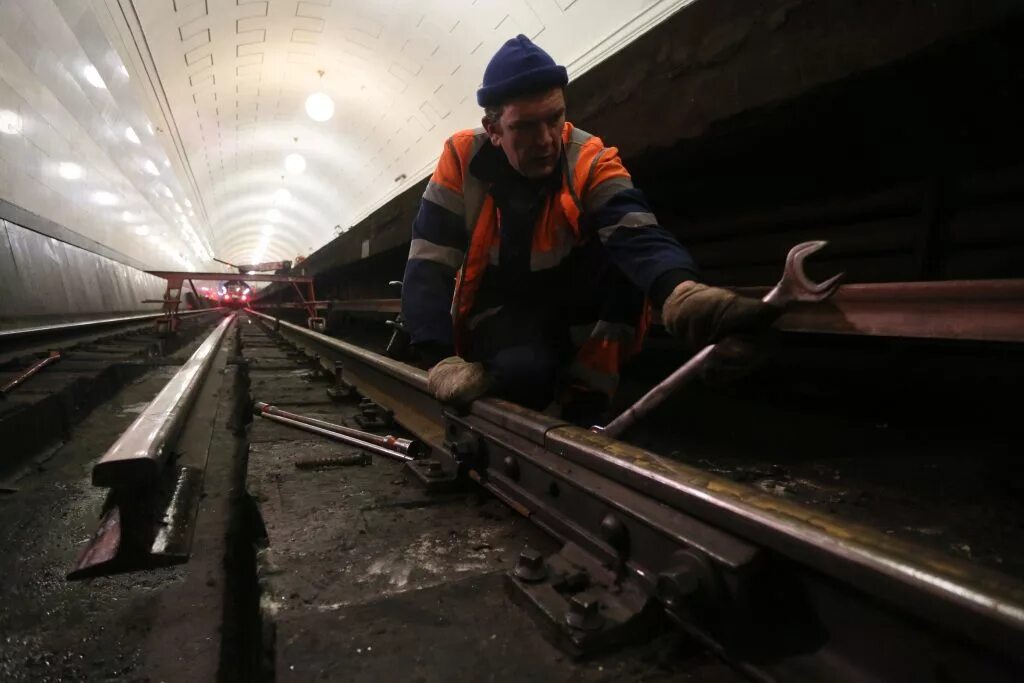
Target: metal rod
[653,398]
[338,436]
[36,367]
[408,447]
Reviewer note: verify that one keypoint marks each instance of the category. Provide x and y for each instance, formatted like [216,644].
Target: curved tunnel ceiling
[401,75]
[222,158]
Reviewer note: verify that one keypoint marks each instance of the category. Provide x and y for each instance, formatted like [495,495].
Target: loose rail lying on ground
[780,589]
[132,469]
[137,456]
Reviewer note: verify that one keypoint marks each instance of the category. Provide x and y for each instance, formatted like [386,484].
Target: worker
[535,263]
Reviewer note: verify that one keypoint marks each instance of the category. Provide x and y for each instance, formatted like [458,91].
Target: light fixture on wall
[10,122]
[93,76]
[69,170]
[295,163]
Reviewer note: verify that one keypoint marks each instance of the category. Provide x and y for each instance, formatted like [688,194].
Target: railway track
[621,557]
[781,590]
[96,357]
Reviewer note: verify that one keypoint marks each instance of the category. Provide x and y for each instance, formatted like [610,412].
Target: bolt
[584,613]
[511,467]
[354,458]
[615,532]
[465,447]
[530,566]
[688,580]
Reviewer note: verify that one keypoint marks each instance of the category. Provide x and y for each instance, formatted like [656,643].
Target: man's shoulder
[467,134]
[579,137]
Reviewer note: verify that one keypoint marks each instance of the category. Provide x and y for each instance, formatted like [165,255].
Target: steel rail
[84,325]
[137,456]
[969,310]
[981,606]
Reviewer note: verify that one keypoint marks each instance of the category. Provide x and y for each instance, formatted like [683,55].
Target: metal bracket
[580,604]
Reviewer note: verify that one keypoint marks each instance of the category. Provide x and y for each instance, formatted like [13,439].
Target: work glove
[699,315]
[457,381]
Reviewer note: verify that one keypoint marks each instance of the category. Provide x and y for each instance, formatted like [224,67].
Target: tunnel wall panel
[44,280]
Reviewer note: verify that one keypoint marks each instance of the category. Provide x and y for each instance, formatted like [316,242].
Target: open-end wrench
[794,286]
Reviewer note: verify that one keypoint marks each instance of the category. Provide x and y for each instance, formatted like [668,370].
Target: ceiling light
[267,229]
[104,198]
[177,207]
[282,196]
[273,215]
[319,106]
[93,76]
[149,127]
[127,216]
[165,191]
[130,133]
[69,170]
[295,163]
[167,163]
[150,167]
[188,203]
[141,229]
[153,238]
[124,70]
[10,122]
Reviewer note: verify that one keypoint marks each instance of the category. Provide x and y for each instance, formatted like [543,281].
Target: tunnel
[225,450]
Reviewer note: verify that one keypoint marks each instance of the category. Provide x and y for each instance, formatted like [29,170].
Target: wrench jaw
[795,285]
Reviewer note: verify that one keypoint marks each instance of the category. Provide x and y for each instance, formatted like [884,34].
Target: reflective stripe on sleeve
[635,219]
[445,197]
[599,196]
[428,251]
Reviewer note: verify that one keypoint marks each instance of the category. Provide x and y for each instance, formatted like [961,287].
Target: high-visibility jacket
[457,233]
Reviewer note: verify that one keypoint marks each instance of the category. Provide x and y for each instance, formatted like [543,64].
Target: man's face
[530,132]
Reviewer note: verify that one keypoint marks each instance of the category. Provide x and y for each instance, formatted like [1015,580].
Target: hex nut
[584,613]
[530,566]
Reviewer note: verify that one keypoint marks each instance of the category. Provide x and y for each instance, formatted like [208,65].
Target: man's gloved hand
[700,315]
[458,381]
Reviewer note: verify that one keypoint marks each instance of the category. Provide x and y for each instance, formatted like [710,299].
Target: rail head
[137,456]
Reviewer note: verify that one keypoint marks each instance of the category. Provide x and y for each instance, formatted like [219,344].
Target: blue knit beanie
[518,68]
